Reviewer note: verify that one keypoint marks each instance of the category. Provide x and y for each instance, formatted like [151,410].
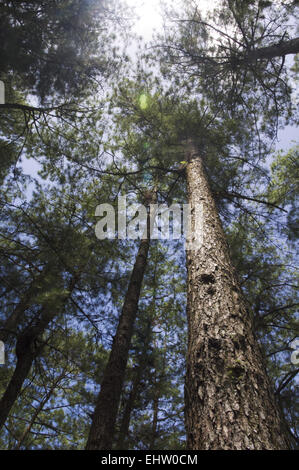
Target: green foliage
[54,47]
[283,189]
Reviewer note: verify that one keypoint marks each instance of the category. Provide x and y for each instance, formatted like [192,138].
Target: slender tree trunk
[158,383]
[229,401]
[14,387]
[38,410]
[28,347]
[155,416]
[102,428]
[10,325]
[125,423]
[280,49]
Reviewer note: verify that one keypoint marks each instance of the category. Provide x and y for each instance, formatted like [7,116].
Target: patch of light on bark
[194,223]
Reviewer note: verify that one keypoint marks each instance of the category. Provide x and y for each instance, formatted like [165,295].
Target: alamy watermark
[295,354]
[2,353]
[174,222]
[2,92]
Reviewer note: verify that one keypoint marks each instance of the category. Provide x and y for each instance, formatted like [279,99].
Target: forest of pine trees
[149,343]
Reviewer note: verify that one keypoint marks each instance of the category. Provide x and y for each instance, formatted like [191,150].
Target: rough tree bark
[102,428]
[229,402]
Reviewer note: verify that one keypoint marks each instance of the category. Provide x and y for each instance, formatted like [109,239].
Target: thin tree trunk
[10,325]
[28,347]
[155,416]
[229,402]
[280,49]
[102,428]
[14,387]
[125,423]
[157,393]
[38,410]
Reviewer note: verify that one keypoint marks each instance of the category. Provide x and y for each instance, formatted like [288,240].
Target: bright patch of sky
[148,17]
[149,14]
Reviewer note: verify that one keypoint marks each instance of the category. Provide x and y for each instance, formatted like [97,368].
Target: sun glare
[149,14]
[149,18]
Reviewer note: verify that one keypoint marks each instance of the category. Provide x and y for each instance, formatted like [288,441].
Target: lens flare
[143,101]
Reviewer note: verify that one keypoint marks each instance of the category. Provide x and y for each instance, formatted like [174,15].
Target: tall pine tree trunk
[102,428]
[229,401]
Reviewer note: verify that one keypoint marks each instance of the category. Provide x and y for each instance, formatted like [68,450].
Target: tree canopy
[93,121]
